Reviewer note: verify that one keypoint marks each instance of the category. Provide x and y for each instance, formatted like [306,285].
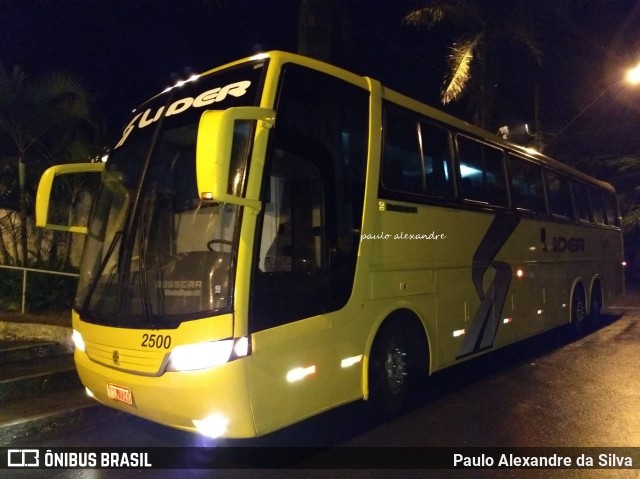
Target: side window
[559,194]
[416,157]
[436,152]
[611,209]
[401,165]
[292,230]
[482,176]
[581,201]
[313,192]
[527,191]
[597,205]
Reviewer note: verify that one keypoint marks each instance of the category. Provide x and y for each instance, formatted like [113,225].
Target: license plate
[120,393]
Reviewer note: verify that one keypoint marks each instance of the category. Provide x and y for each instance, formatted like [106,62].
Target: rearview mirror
[222,153]
[46,187]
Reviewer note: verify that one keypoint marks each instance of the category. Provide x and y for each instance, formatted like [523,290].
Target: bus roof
[281,58]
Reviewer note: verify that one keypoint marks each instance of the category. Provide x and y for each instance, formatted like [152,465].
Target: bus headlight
[190,357]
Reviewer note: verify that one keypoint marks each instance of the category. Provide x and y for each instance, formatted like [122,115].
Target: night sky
[125,51]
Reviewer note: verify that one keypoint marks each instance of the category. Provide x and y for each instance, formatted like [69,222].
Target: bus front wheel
[389,370]
[595,309]
[578,312]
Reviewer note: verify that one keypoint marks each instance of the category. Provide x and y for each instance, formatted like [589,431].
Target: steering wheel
[218,241]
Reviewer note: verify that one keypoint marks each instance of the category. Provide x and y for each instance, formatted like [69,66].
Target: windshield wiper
[94,283]
[145,298]
[126,252]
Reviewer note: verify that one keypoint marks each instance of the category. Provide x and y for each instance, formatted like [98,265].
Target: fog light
[213,426]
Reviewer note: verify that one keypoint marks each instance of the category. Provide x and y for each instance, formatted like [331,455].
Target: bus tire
[579,317]
[389,370]
[595,305]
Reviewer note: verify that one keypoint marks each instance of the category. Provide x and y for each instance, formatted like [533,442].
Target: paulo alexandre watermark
[403,236]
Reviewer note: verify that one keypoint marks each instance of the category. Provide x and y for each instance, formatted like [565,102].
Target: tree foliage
[474,54]
[43,121]
[47,120]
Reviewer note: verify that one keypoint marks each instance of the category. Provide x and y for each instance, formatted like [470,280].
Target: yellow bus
[278,237]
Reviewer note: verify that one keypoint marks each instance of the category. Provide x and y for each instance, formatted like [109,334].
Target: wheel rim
[596,303]
[580,311]
[395,368]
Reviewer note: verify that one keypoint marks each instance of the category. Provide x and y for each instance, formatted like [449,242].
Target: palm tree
[473,56]
[42,122]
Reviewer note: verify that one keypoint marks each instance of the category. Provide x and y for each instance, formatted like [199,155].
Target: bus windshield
[157,255]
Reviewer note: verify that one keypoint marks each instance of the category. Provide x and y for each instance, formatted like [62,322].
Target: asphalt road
[549,391]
